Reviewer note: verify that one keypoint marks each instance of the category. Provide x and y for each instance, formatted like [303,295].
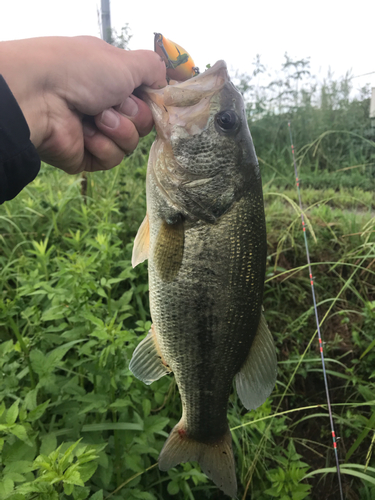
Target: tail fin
[216,459]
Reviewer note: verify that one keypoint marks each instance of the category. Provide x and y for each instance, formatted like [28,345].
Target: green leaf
[81,493]
[359,466]
[20,466]
[155,424]
[119,426]
[96,321]
[22,414]
[347,469]
[86,471]
[37,359]
[159,397]
[173,488]
[273,492]
[21,433]
[300,495]
[134,462]
[68,488]
[55,312]
[57,354]
[72,476]
[15,477]
[19,451]
[111,281]
[368,349]
[120,403]
[2,408]
[370,425]
[12,413]
[97,496]
[146,405]
[101,292]
[143,495]
[49,443]
[68,456]
[6,487]
[85,458]
[37,412]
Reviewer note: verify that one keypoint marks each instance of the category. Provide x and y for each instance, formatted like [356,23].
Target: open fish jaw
[188,104]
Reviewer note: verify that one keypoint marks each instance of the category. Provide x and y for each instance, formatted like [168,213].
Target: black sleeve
[19,160]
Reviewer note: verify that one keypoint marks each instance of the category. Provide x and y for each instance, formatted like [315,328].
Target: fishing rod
[316,318]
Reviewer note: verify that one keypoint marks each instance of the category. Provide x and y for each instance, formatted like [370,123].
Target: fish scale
[205,239]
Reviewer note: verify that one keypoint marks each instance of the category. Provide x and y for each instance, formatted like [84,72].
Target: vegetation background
[76,424]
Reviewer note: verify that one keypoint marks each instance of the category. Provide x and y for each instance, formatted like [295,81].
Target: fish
[204,235]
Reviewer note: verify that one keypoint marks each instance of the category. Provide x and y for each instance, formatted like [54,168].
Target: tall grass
[331,128]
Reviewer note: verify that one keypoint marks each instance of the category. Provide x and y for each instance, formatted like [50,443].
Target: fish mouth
[187,104]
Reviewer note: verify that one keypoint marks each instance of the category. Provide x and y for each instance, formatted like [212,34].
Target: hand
[76,96]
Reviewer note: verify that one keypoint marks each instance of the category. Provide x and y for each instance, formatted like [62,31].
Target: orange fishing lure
[179,63]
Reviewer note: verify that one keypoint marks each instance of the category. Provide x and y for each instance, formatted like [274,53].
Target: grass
[75,423]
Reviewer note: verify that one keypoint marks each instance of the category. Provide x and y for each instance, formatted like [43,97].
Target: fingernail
[88,129]
[110,118]
[129,107]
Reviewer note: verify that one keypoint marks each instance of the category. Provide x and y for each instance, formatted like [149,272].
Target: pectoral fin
[141,243]
[169,250]
[256,379]
[147,362]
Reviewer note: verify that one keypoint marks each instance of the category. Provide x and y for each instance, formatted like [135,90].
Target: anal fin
[257,377]
[147,363]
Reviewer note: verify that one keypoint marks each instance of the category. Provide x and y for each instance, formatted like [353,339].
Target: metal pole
[106,20]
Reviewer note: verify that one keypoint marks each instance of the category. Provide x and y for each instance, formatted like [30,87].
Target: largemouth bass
[205,239]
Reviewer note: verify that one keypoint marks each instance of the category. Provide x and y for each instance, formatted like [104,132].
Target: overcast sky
[333,33]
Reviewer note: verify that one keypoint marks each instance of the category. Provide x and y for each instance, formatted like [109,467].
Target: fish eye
[227,120]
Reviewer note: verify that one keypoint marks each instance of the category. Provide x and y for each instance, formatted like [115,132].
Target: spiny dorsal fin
[141,243]
[147,363]
[257,377]
[169,250]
